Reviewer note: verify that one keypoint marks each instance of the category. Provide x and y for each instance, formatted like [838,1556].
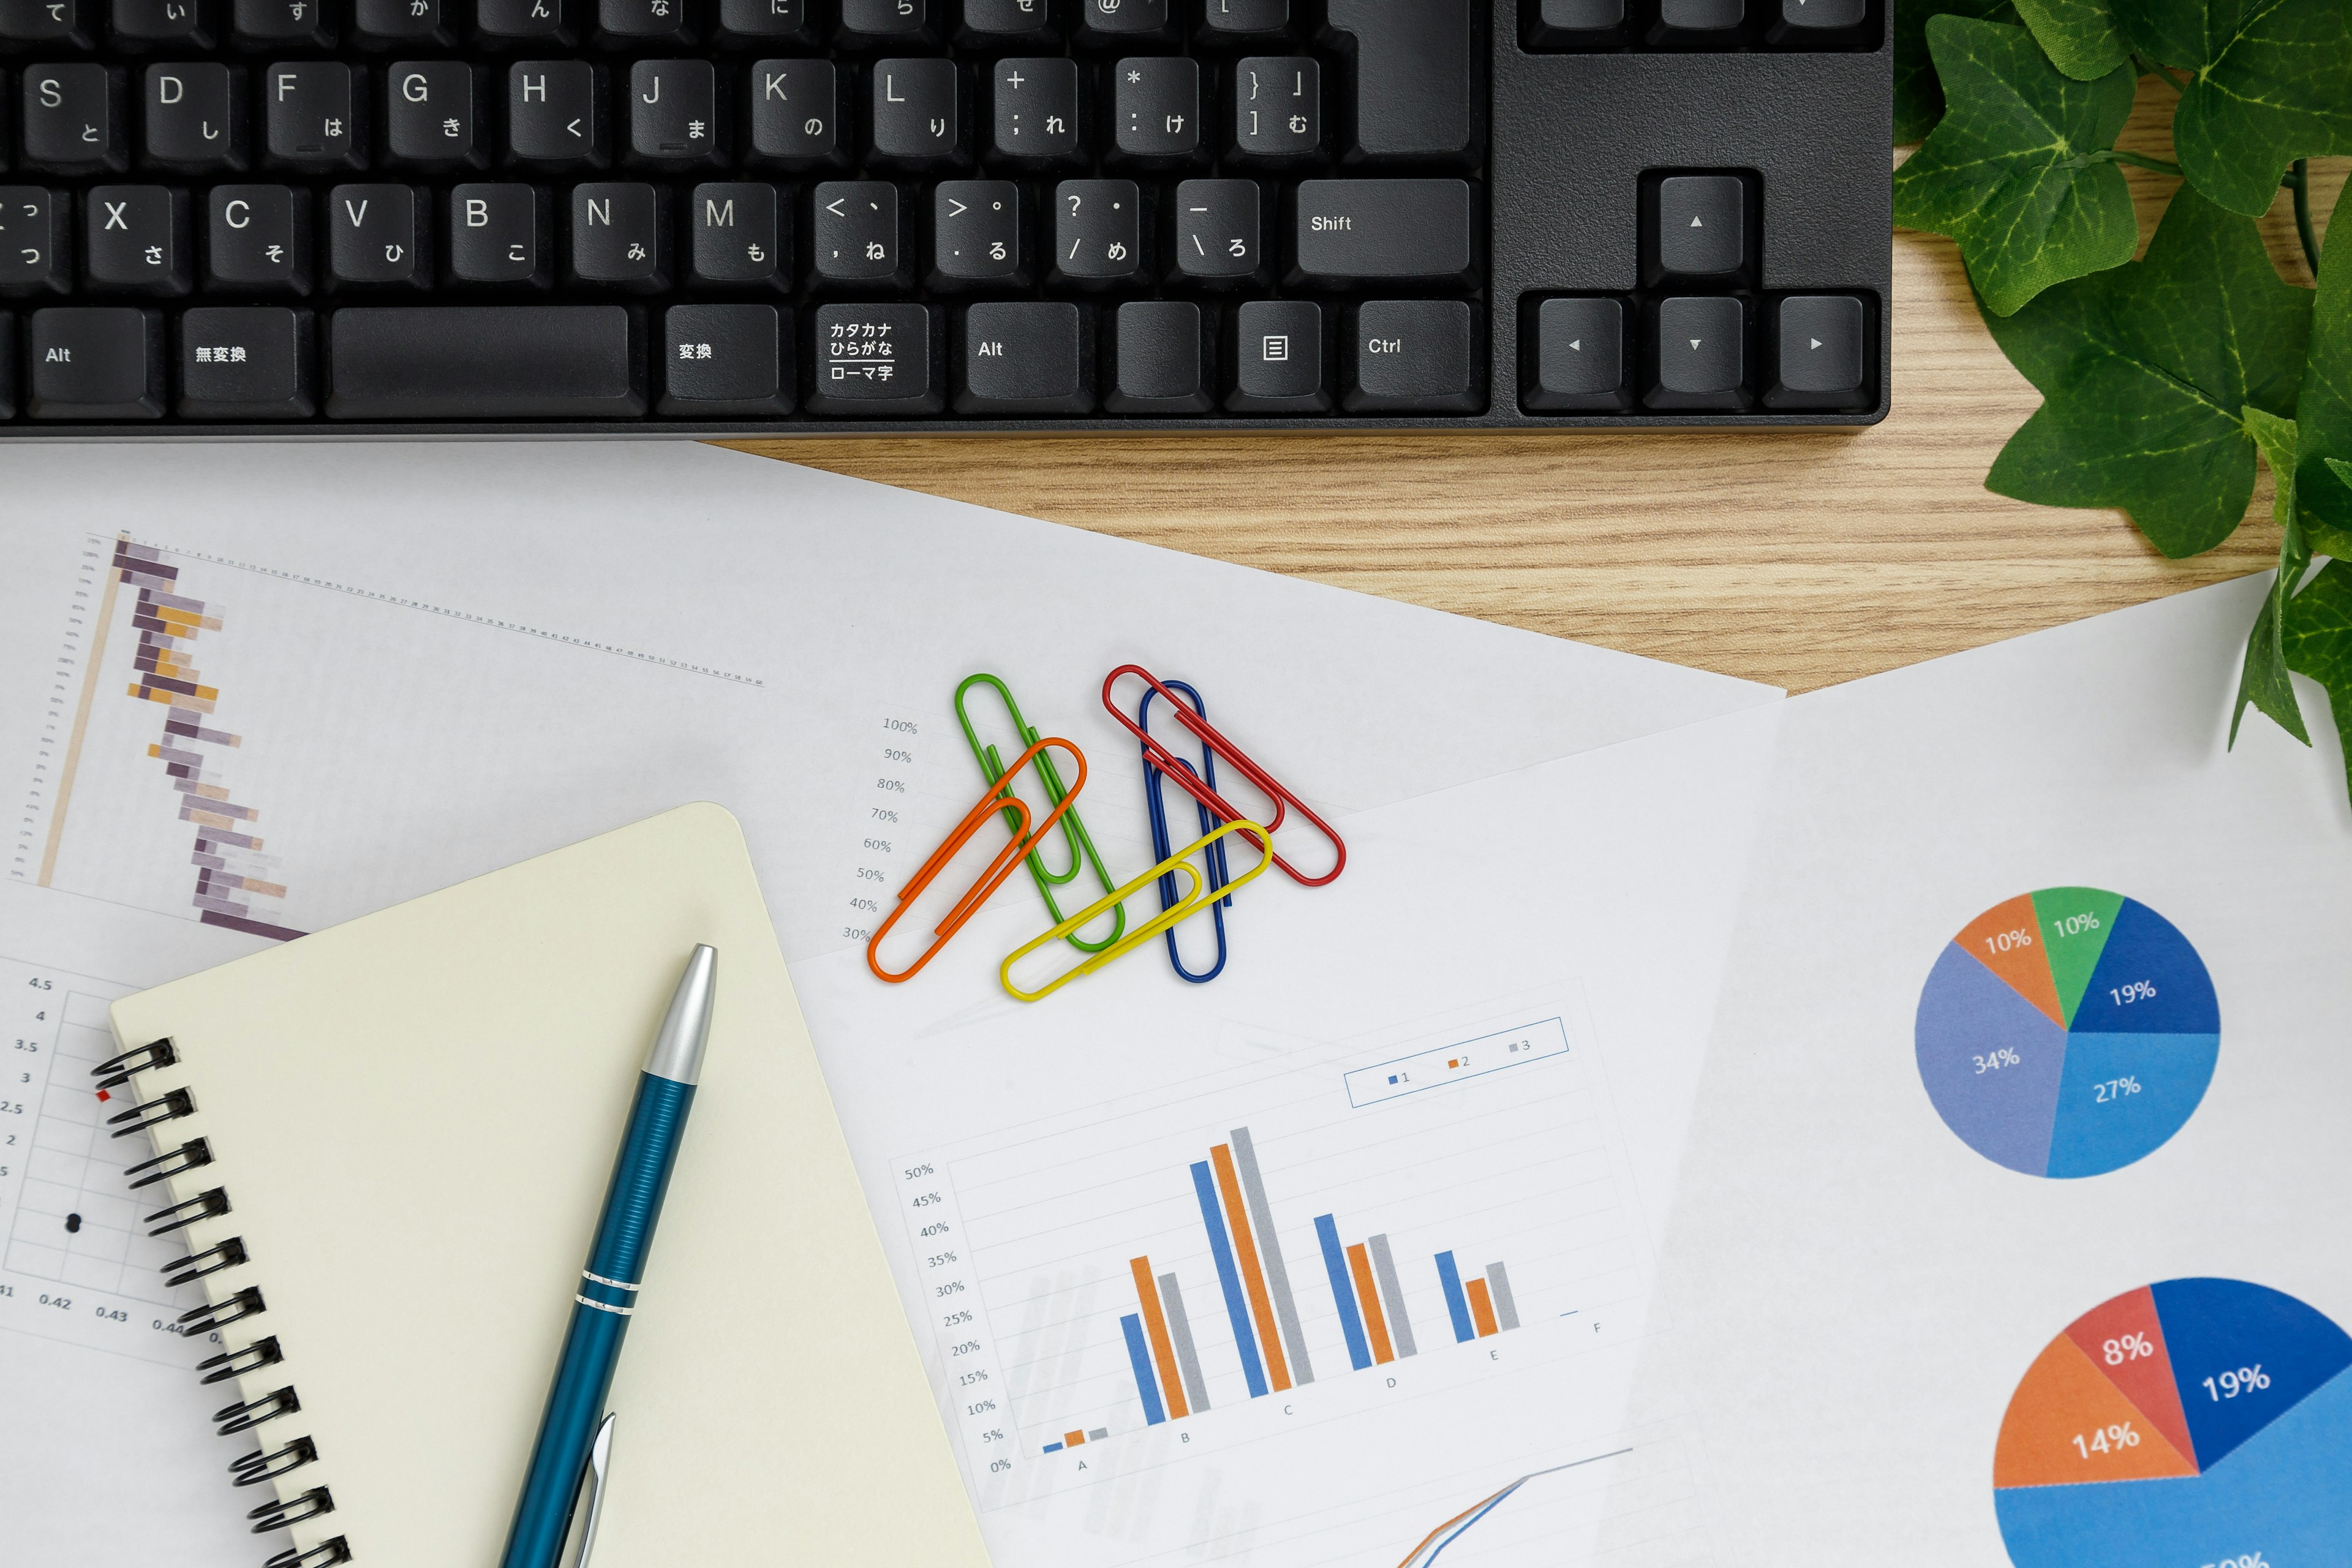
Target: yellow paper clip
[1191,903]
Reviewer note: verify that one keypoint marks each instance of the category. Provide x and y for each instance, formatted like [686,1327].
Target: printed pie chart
[2068,1032]
[2193,1422]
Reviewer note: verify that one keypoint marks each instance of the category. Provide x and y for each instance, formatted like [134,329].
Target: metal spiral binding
[265,1464]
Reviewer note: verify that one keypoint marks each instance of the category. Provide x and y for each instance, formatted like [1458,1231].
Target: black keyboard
[783,216]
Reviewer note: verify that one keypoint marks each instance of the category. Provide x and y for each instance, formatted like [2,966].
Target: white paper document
[2011,1225]
[246,694]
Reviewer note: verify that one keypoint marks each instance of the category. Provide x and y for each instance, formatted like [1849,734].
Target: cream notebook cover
[412,1118]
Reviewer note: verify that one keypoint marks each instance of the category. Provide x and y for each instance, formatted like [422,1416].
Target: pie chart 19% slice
[2067,1032]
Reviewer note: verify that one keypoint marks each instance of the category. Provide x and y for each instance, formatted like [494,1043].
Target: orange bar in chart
[1277,1371]
[1155,1329]
[1482,1306]
[1376,1324]
[2007,939]
[1072,1439]
[2067,1424]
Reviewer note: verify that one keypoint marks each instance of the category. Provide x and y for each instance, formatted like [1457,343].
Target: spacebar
[486,361]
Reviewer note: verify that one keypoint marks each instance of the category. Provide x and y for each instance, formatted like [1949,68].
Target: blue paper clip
[1162,845]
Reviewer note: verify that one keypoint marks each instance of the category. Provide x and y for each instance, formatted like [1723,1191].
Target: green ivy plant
[2166,380]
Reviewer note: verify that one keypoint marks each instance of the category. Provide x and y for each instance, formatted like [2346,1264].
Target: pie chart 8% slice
[2127,1348]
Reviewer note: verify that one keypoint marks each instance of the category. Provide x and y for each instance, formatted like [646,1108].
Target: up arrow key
[1694,223]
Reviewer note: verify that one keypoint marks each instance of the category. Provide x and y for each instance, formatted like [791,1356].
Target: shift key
[1349,231]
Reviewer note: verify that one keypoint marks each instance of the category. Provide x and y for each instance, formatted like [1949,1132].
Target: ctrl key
[246,363]
[102,362]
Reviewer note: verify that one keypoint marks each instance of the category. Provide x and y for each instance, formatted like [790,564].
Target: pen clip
[600,1460]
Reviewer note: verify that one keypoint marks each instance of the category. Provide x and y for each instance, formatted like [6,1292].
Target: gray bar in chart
[1278,1275]
[1180,1329]
[1391,1298]
[1097,1434]
[1498,1286]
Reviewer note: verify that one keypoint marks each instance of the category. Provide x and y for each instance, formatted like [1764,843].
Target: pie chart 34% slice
[2067,1032]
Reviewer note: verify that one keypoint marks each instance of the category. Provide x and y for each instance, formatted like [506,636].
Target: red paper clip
[998,799]
[1180,773]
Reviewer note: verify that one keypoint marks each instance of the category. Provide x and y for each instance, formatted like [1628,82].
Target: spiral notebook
[385,1145]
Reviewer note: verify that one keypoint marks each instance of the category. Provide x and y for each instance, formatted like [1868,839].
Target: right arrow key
[1819,359]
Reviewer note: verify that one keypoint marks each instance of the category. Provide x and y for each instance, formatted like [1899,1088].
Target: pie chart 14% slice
[2067,1032]
[2205,1423]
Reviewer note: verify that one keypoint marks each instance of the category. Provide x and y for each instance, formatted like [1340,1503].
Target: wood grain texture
[1799,558]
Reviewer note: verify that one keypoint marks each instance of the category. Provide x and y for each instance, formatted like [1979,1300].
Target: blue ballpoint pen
[576,1435]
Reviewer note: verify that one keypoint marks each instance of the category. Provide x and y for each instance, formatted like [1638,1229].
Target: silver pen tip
[686,1030]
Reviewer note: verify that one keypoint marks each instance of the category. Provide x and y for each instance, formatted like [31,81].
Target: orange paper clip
[999,798]
[1180,773]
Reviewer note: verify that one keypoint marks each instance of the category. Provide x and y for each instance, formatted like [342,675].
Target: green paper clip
[1082,846]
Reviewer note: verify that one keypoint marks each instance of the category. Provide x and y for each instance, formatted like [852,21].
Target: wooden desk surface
[1799,558]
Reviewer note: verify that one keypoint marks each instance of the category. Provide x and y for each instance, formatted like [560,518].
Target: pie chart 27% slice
[2205,1423]
[2067,1032]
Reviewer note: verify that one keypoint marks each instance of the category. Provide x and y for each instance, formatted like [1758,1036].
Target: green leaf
[2009,173]
[2268,85]
[2319,642]
[2324,411]
[1918,95]
[2265,684]
[2144,371]
[2081,37]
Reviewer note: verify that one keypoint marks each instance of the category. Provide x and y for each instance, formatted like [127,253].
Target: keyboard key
[156,23]
[620,235]
[917,115]
[1278,108]
[623,23]
[1219,233]
[1700,226]
[55,23]
[979,236]
[246,362]
[94,364]
[1029,356]
[195,118]
[739,235]
[855,236]
[135,240]
[674,120]
[1162,358]
[379,236]
[400,24]
[884,24]
[1037,114]
[7,365]
[1416,356]
[315,115]
[1578,21]
[280,25]
[1417,90]
[1700,16]
[765,19]
[504,23]
[1798,18]
[1577,358]
[993,24]
[876,360]
[36,241]
[1098,238]
[1281,358]
[433,114]
[257,239]
[500,234]
[73,120]
[555,114]
[796,118]
[1819,342]
[1155,110]
[1700,355]
[727,360]
[1122,22]
[1351,230]
[486,361]
[1241,20]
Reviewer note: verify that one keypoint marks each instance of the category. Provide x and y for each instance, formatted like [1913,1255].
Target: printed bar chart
[1480,1307]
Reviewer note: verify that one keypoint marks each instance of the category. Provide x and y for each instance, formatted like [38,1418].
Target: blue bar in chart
[1132,1326]
[1335,1263]
[1220,1247]
[1457,1305]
